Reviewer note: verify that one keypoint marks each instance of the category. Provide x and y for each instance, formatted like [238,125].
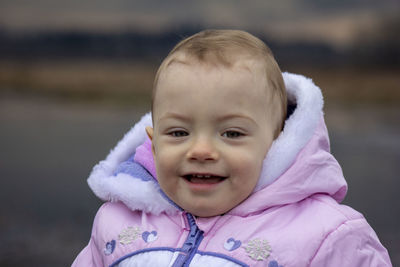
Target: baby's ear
[150,132]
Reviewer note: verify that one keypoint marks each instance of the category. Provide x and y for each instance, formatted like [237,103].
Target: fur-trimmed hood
[297,165]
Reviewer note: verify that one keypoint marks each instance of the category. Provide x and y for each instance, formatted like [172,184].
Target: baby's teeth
[202,176]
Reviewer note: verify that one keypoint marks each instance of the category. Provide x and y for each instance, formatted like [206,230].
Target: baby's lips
[203,175]
[201,178]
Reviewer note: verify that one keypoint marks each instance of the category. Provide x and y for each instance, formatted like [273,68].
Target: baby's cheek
[248,169]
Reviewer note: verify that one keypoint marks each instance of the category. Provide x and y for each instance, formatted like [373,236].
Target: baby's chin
[207,212]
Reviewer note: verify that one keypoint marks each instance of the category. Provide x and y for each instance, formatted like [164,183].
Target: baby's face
[211,133]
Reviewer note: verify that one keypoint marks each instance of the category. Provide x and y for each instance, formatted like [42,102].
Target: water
[47,149]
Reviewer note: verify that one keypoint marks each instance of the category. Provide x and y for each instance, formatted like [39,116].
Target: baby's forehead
[177,70]
[245,65]
[243,79]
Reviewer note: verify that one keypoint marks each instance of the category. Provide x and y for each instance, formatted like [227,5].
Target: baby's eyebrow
[174,115]
[236,116]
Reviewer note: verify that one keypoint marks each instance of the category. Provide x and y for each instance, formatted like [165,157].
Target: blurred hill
[119,67]
[380,48]
[101,50]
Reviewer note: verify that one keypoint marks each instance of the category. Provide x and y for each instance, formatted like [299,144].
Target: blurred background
[76,75]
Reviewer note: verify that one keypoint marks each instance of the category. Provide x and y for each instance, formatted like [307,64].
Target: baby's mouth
[204,178]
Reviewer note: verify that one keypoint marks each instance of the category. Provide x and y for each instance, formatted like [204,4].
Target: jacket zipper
[191,244]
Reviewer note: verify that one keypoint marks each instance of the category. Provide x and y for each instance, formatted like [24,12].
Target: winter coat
[292,218]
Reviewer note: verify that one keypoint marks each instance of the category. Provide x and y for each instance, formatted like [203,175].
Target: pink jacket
[293,217]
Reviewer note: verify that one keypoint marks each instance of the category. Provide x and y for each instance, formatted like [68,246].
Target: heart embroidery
[110,246]
[232,244]
[149,237]
[274,264]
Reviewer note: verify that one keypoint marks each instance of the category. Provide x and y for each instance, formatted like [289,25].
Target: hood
[298,164]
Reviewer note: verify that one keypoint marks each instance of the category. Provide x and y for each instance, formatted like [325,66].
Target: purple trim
[188,249]
[134,169]
[180,260]
[198,238]
[223,256]
[191,244]
[144,156]
[137,171]
[274,264]
[143,251]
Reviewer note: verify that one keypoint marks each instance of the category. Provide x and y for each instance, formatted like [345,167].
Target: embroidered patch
[232,244]
[110,246]
[149,237]
[274,264]
[128,235]
[258,249]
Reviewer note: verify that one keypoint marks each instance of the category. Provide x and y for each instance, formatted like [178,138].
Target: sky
[336,22]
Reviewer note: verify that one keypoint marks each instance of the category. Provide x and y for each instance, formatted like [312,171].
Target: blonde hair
[226,47]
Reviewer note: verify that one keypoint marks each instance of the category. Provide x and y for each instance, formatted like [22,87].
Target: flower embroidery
[258,249]
[128,235]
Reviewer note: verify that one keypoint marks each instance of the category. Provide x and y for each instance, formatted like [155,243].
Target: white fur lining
[298,129]
[145,195]
[135,193]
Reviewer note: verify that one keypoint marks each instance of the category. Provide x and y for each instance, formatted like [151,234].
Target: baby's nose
[203,149]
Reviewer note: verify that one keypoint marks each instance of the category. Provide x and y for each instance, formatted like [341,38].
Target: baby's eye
[232,134]
[178,133]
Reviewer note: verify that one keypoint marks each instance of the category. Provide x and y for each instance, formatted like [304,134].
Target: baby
[232,169]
